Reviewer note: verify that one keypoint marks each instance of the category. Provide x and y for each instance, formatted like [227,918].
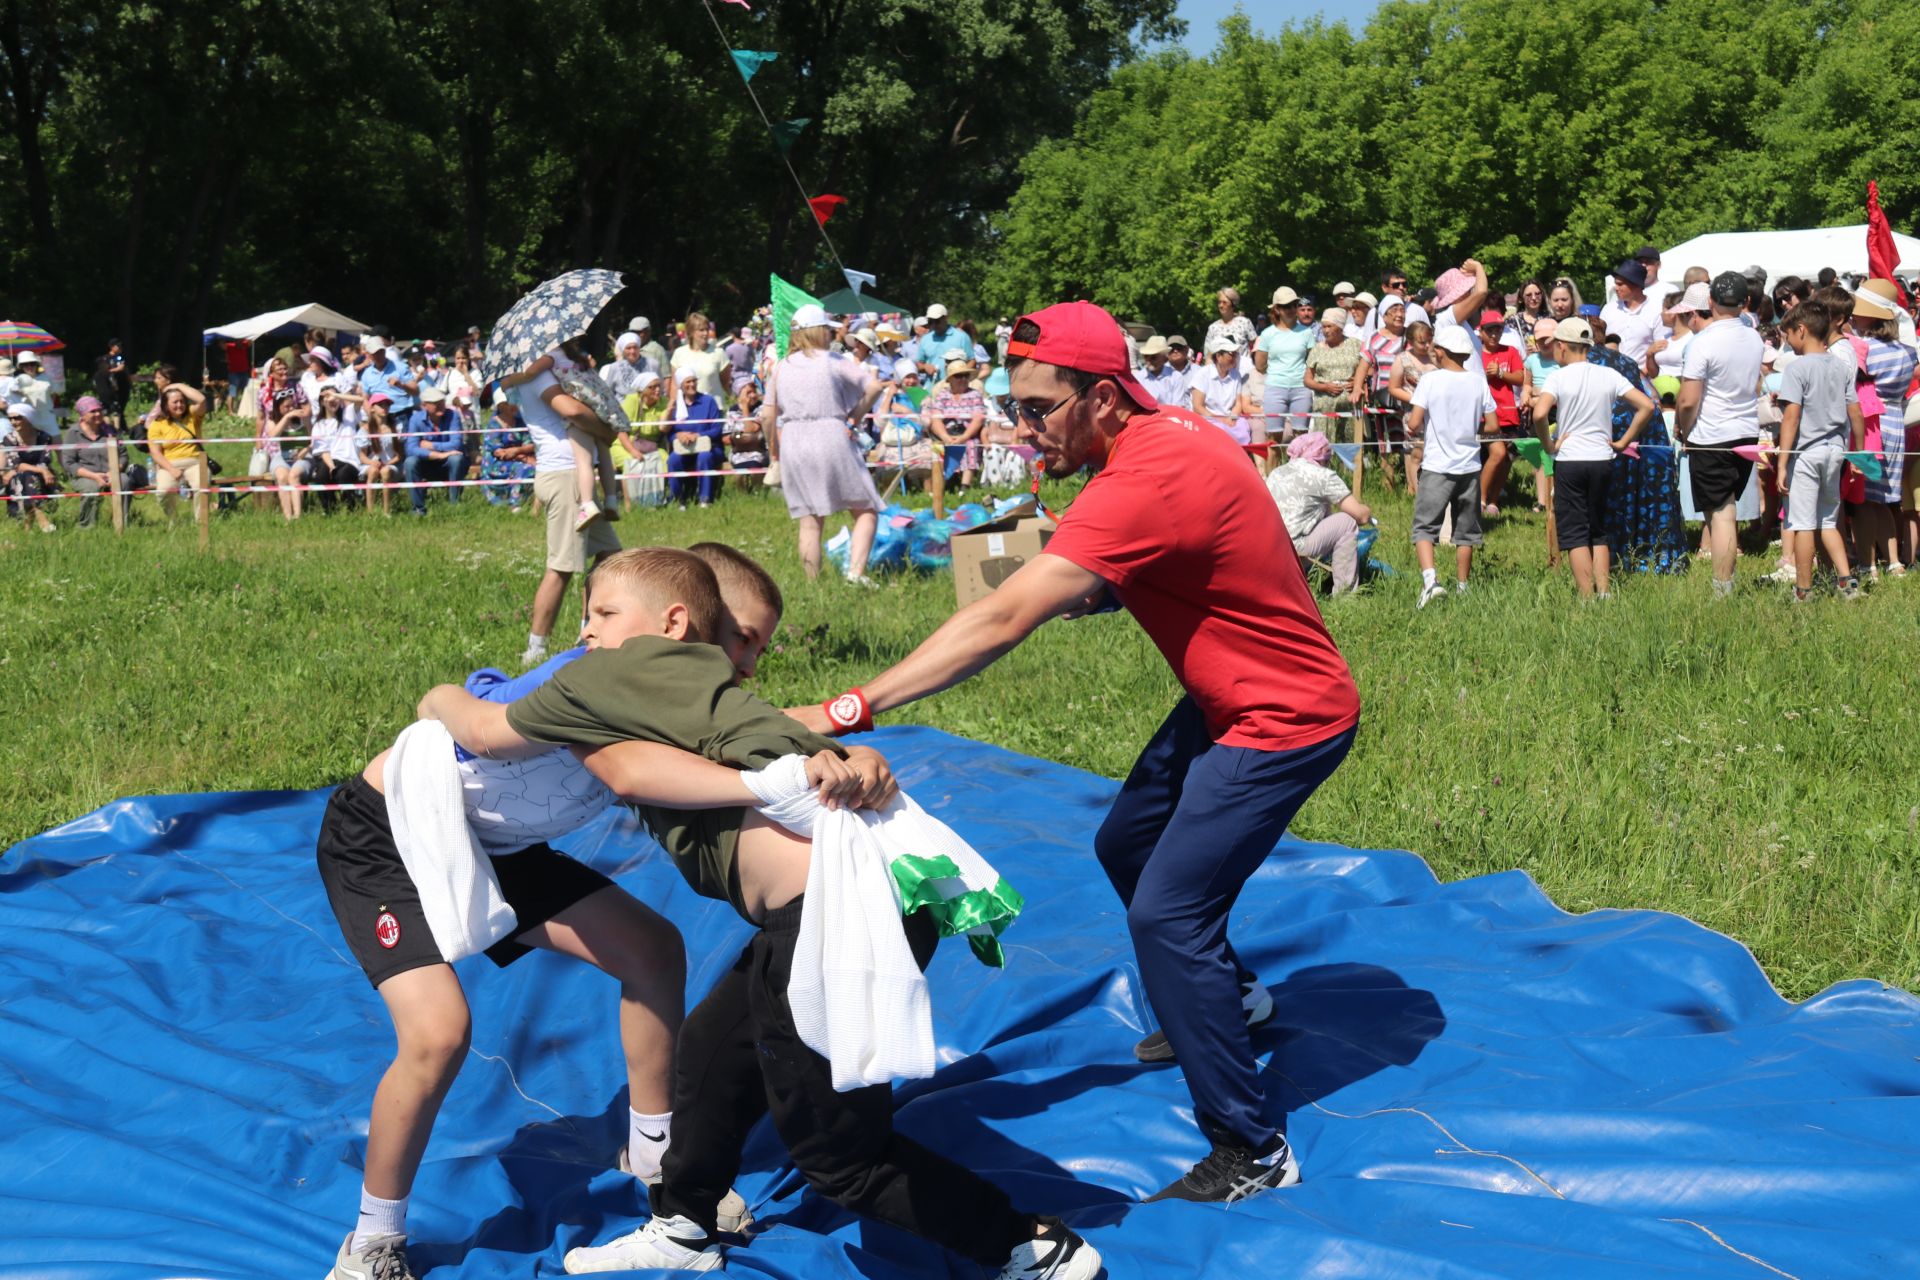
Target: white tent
[1785,253]
[310,315]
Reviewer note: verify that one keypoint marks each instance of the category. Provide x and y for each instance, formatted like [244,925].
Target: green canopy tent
[845,302]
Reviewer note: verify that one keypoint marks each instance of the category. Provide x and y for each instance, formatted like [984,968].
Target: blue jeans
[1192,822]
[416,469]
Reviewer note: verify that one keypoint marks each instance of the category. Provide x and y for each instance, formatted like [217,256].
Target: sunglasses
[1037,418]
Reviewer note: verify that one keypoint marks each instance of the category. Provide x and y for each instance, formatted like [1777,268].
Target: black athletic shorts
[379,909]
[1580,502]
[1719,477]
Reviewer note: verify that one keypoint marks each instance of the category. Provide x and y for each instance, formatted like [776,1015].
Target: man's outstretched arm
[974,638]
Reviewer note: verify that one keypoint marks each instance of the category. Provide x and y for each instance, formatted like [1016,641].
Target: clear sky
[1203,16]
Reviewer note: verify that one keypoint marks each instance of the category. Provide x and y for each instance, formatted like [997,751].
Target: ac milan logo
[844,711]
[387,930]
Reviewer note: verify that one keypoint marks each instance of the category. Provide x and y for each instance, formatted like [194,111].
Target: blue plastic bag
[929,545]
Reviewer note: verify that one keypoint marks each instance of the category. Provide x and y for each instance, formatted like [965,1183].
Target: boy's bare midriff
[772,864]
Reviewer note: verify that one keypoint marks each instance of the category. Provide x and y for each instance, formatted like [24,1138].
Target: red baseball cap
[1080,335]
[1490,318]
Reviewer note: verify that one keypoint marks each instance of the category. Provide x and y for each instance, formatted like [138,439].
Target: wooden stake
[203,503]
[113,484]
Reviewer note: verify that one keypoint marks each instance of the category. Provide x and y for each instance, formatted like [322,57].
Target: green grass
[1742,763]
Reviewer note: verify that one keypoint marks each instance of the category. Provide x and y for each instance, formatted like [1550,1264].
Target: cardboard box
[987,555]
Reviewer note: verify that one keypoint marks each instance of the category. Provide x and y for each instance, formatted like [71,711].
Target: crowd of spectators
[345,416]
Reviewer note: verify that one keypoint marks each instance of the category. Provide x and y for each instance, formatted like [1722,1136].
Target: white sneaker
[384,1258]
[1431,593]
[730,1215]
[1459,588]
[863,581]
[1059,1255]
[669,1244]
[589,512]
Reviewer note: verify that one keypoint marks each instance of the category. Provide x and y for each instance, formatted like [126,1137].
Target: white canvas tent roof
[1785,253]
[309,315]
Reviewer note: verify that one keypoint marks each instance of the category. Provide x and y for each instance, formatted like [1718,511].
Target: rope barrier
[669,428]
[377,486]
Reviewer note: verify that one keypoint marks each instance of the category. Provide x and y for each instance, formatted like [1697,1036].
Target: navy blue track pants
[1193,821]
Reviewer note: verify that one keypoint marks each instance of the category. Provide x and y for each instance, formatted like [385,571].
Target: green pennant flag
[787,299]
[788,132]
[750,61]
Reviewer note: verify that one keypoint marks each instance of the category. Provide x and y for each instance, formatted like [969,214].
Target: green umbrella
[845,302]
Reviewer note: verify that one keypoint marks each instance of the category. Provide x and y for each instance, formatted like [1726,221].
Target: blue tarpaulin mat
[1477,1083]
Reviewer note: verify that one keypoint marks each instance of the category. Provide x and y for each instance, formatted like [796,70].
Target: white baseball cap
[638,323]
[936,312]
[1457,341]
[1345,286]
[374,345]
[432,395]
[810,316]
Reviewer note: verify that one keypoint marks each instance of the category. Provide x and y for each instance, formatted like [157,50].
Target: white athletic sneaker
[384,1258]
[1254,998]
[1459,588]
[670,1244]
[1430,594]
[1059,1255]
[730,1215]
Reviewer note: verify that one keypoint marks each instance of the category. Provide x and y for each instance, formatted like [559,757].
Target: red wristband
[849,713]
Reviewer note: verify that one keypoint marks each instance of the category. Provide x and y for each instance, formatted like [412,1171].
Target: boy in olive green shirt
[739,1055]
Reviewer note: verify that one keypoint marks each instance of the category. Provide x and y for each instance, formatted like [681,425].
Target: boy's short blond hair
[740,575]
[662,577]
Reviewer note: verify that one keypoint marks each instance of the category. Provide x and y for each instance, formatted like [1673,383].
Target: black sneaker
[1254,998]
[1234,1173]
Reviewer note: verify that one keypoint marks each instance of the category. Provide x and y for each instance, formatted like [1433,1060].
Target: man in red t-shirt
[1503,365]
[1177,527]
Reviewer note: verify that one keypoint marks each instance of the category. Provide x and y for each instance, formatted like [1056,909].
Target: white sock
[1428,577]
[647,1138]
[536,643]
[378,1218]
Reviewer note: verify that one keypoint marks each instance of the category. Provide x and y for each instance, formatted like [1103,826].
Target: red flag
[1882,256]
[824,207]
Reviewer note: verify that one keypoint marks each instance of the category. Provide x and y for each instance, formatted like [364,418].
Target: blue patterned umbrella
[562,308]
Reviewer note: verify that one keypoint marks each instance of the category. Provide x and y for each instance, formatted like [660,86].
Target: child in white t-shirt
[1583,449]
[1451,410]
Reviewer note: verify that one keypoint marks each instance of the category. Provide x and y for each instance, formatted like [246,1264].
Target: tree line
[177,163]
[1542,139]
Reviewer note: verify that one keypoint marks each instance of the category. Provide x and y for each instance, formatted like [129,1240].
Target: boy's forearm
[479,727]
[653,773]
